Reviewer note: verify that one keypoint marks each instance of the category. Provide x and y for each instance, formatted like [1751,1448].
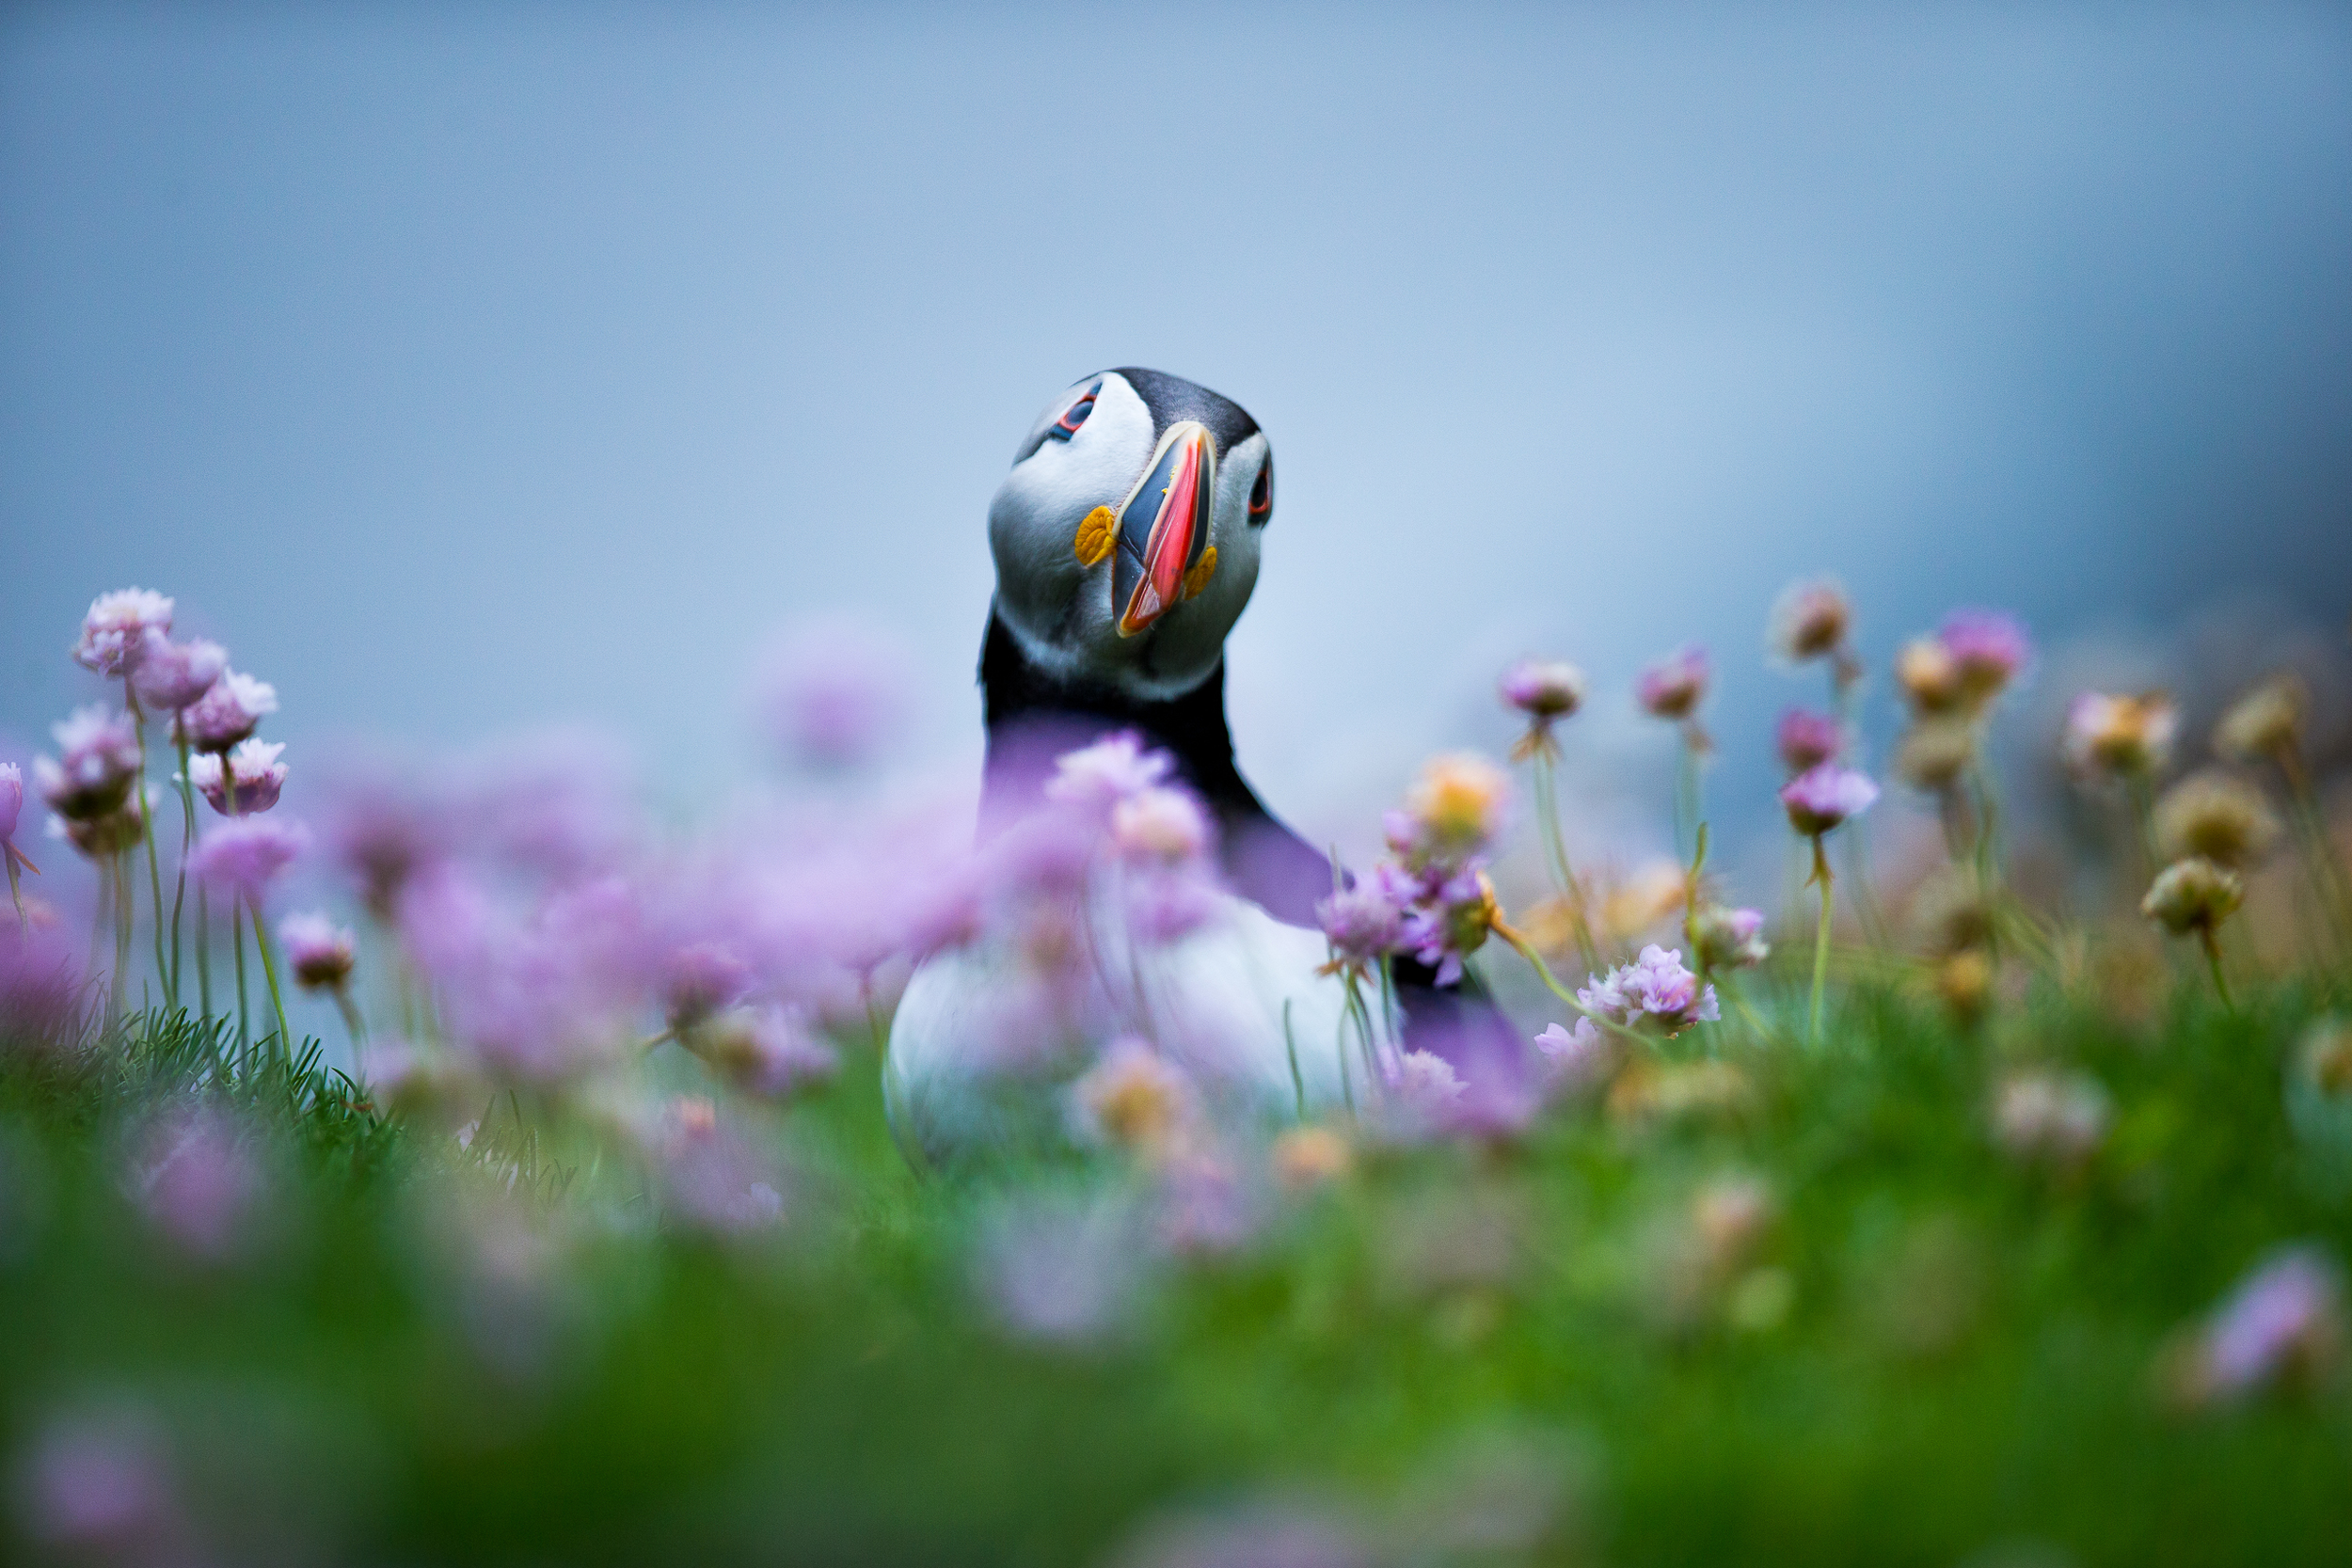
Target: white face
[1061,607]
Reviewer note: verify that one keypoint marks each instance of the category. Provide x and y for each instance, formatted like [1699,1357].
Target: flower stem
[2213,962]
[16,894]
[203,953]
[245,1017]
[353,1025]
[126,913]
[1526,949]
[1820,941]
[154,870]
[180,880]
[269,972]
[1556,847]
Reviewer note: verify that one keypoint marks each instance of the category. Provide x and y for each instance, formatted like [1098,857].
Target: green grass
[1948,1352]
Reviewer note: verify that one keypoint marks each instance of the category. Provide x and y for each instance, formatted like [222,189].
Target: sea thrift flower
[1822,797]
[1133,1099]
[98,1487]
[1929,676]
[1058,1270]
[1546,692]
[113,631]
[1730,1217]
[247,780]
[1654,994]
[1810,621]
[1808,740]
[2283,1324]
[1988,648]
[2213,815]
[1674,686]
[2266,723]
[1453,923]
[319,951]
[100,837]
[1729,939]
[99,759]
[2193,896]
[248,855]
[196,1181]
[766,1052]
[1309,1157]
[2049,1117]
[170,675]
[1574,1060]
[383,836]
[1453,810]
[1101,775]
[228,712]
[833,692]
[1160,824]
[12,808]
[2120,736]
[711,1178]
[702,977]
[1425,1085]
[1934,752]
[1363,923]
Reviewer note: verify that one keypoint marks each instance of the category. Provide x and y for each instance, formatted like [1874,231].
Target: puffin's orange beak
[1164,527]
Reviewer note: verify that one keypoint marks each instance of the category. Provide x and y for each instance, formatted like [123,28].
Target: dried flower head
[1823,797]
[1160,824]
[1929,676]
[1545,690]
[241,782]
[2120,736]
[1934,752]
[318,951]
[2267,721]
[2049,1117]
[1728,938]
[1674,686]
[2193,895]
[113,632]
[1810,621]
[99,759]
[1965,982]
[169,675]
[1988,648]
[1135,1099]
[228,712]
[1309,1157]
[1808,740]
[1455,807]
[2218,816]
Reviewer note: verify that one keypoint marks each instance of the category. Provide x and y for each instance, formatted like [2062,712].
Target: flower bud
[2122,736]
[1810,621]
[2193,895]
[2213,815]
[1929,676]
[2267,721]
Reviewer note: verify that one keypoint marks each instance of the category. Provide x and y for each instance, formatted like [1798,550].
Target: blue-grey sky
[466,368]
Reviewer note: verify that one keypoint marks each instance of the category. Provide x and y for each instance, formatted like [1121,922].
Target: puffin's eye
[1262,497]
[1074,416]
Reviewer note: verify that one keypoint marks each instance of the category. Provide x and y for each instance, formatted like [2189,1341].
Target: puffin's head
[1126,535]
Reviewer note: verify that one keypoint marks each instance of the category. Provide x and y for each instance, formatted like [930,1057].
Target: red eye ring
[1262,496]
[1075,415]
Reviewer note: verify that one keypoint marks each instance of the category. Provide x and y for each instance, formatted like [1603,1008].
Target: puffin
[1127,540]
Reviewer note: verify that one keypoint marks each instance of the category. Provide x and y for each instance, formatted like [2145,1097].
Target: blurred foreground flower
[318,950]
[1134,1099]
[1453,812]
[195,1178]
[97,1485]
[247,856]
[1674,686]
[2122,738]
[2281,1327]
[1059,1268]
[2047,1117]
[1545,692]
[227,713]
[834,694]
[1806,740]
[2222,818]
[169,675]
[2266,723]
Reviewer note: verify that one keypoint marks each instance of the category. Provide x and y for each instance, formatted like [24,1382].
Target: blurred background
[469,369]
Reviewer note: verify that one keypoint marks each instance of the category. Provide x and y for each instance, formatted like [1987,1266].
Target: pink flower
[248,855]
[833,692]
[712,1178]
[251,774]
[1058,1270]
[1824,795]
[1101,775]
[1988,648]
[98,1486]
[1452,922]
[170,675]
[1574,1060]
[767,1052]
[101,758]
[1654,994]
[1160,824]
[1425,1083]
[113,631]
[318,951]
[1808,740]
[1674,686]
[701,978]
[228,712]
[1450,814]
[2286,1320]
[1135,1099]
[12,807]
[2126,737]
[1730,938]
[1365,921]
[196,1180]
[1542,690]
[383,834]
[2041,1117]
